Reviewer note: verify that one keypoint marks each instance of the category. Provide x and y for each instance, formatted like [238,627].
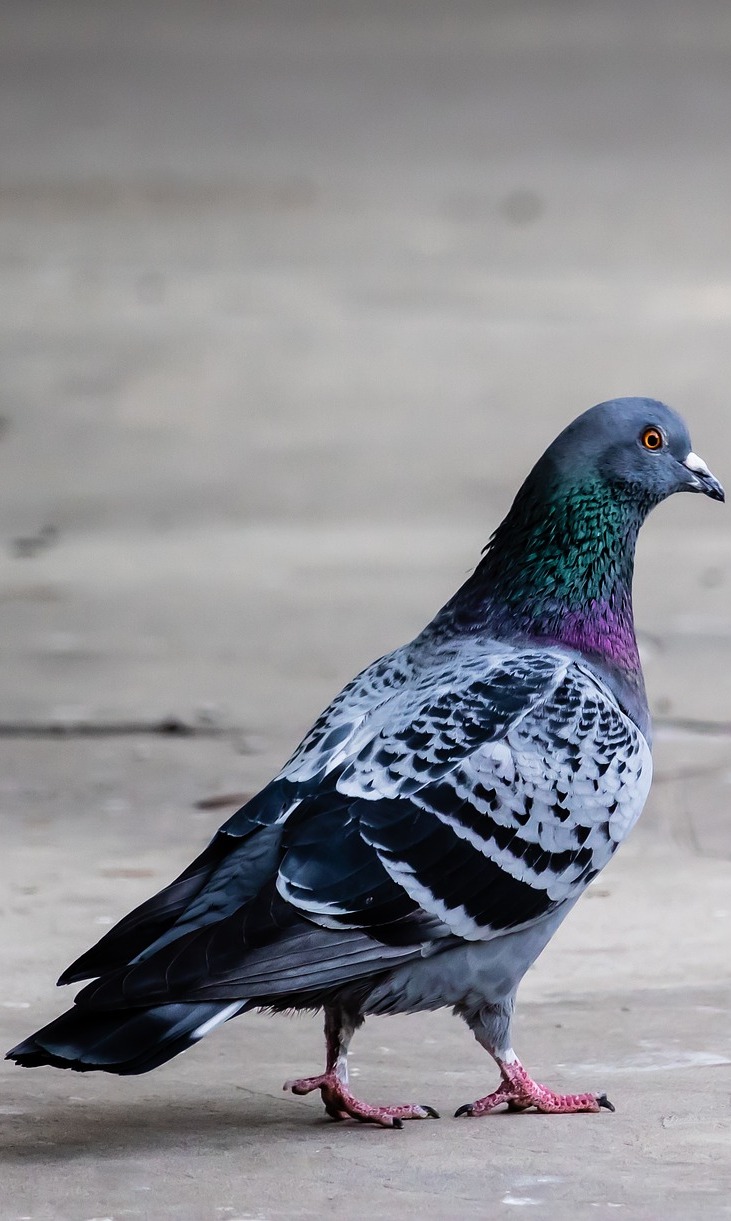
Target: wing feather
[462,798]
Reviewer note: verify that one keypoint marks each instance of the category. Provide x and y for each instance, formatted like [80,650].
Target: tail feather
[124,1042]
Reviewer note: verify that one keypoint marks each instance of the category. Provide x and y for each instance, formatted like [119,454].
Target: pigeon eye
[652,439]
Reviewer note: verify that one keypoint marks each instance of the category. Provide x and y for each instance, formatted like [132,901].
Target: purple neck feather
[603,628]
[559,570]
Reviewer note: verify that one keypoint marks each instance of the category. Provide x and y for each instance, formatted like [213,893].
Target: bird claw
[467,1109]
[341,1104]
[520,1093]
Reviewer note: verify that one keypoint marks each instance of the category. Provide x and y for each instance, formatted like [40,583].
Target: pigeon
[442,816]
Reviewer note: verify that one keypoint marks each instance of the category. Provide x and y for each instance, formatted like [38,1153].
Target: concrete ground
[291,297]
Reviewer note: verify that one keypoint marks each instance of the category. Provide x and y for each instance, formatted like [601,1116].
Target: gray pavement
[291,297]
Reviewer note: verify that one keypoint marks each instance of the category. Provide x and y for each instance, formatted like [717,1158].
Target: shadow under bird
[441,817]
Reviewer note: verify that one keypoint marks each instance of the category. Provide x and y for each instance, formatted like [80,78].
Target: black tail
[124,1041]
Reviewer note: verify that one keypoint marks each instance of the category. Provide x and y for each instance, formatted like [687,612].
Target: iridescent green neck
[559,570]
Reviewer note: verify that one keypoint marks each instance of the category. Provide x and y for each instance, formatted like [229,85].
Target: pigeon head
[558,569]
[638,448]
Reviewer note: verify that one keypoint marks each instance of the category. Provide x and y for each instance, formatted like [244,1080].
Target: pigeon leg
[521,1092]
[333,1083]
[517,1089]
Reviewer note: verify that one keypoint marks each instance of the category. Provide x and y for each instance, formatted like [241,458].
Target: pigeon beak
[703,480]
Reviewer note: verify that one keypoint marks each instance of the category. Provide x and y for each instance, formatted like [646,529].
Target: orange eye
[652,439]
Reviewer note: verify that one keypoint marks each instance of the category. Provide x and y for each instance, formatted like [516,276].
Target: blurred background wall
[293,294]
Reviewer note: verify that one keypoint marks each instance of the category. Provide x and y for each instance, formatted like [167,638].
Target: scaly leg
[333,1083]
[491,1027]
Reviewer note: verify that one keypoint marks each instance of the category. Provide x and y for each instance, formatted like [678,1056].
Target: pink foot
[340,1103]
[520,1093]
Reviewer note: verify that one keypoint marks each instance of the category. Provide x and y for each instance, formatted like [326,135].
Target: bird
[441,818]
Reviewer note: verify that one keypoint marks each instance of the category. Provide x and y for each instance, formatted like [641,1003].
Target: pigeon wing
[520,822]
[497,801]
[464,807]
